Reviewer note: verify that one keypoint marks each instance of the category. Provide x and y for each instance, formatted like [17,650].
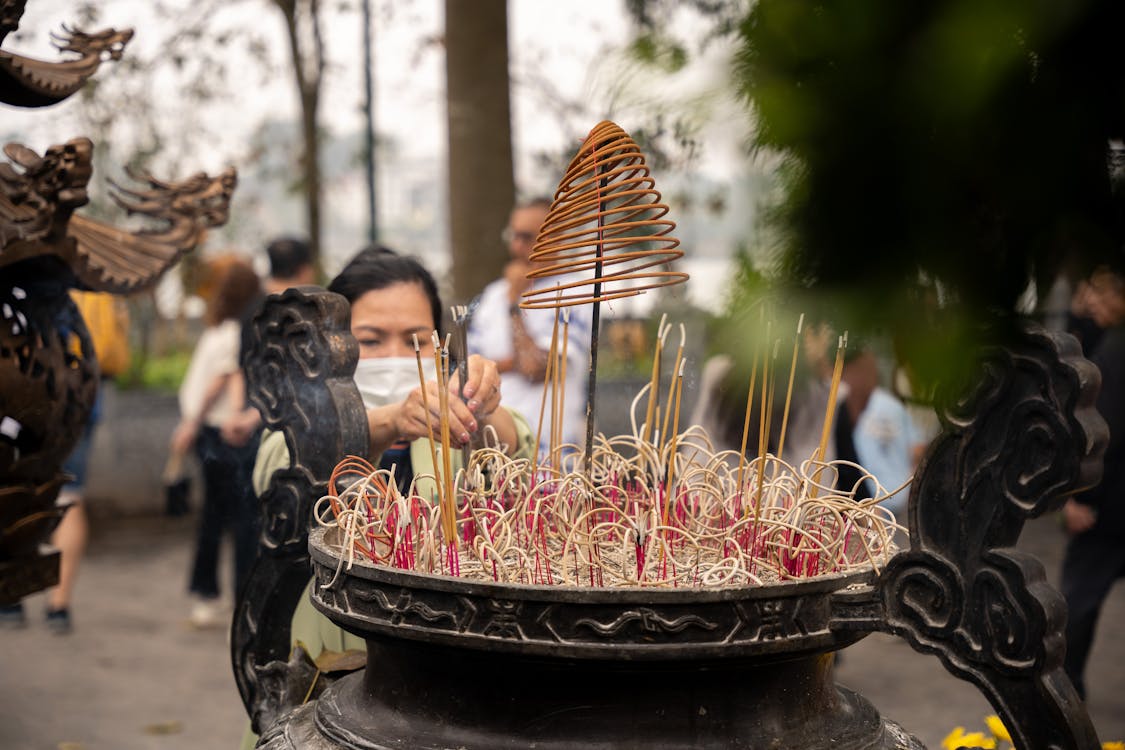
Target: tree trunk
[306,48]
[481,187]
[311,164]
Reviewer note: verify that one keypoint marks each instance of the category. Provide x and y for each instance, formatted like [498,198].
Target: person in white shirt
[519,341]
[206,402]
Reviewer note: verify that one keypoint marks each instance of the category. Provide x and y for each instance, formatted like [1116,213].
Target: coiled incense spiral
[606,235]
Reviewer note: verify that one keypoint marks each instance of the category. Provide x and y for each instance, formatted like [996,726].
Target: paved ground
[134,676]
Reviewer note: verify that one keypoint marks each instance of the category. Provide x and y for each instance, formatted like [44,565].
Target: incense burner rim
[826,583]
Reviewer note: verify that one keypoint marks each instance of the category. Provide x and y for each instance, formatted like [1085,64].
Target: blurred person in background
[107,319]
[1095,519]
[519,340]
[207,396]
[874,429]
[291,265]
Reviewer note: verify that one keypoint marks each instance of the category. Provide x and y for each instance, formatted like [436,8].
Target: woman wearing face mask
[393,299]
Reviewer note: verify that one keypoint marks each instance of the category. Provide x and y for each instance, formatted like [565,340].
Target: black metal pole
[369,128]
[595,322]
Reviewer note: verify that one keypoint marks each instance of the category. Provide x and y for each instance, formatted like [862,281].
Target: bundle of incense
[448,501]
[426,403]
[665,512]
[614,529]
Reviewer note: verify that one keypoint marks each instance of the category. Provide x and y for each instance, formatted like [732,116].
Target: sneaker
[58,621]
[12,616]
[206,614]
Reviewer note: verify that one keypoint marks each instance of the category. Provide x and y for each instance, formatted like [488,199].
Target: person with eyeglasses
[519,341]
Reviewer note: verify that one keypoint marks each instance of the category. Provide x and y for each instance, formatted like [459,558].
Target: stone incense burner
[453,663]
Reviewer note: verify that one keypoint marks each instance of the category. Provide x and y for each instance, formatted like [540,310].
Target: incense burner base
[453,663]
[424,697]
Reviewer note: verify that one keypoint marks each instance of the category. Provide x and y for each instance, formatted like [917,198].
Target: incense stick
[830,407]
[789,388]
[425,401]
[546,388]
[448,502]
[669,486]
[677,366]
[654,381]
[561,379]
[746,420]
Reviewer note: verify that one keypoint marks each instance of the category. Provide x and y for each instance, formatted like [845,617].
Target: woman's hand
[479,405]
[482,386]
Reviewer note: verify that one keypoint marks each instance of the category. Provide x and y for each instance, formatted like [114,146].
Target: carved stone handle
[299,357]
[1013,445]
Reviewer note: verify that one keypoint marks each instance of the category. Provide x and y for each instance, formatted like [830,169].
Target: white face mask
[389,380]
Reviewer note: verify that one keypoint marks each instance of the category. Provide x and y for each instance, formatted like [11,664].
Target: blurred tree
[481,185]
[306,50]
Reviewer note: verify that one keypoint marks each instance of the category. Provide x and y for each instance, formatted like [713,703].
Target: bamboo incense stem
[439,480]
[789,389]
[830,407]
[547,388]
[561,377]
[834,387]
[448,523]
[654,382]
[669,492]
[425,401]
[770,389]
[768,381]
[763,424]
[746,421]
[676,367]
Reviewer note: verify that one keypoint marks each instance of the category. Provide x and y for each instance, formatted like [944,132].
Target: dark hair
[288,255]
[234,288]
[377,267]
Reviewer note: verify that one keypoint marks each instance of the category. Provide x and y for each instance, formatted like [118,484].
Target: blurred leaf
[341,661]
[164,727]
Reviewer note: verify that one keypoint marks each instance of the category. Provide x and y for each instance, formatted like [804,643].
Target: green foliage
[666,54]
[939,154]
[163,373]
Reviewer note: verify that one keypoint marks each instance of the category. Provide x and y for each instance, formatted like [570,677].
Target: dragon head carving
[37,200]
[107,44]
[187,208]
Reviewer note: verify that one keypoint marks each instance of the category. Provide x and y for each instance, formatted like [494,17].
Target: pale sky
[558,51]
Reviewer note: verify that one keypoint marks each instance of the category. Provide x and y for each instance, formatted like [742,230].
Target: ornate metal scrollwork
[36,201]
[107,258]
[1014,444]
[299,361]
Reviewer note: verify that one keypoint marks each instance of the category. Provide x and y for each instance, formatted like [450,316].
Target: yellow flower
[952,741]
[958,739]
[998,730]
